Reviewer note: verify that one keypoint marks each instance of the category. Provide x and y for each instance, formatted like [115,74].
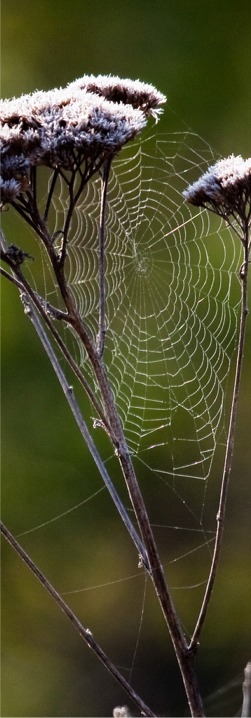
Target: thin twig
[220,518]
[85,633]
[69,394]
[102,279]
[50,194]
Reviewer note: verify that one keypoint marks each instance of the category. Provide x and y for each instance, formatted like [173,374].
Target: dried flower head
[130,92]
[225,188]
[87,121]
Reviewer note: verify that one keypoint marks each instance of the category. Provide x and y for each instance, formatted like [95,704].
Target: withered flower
[130,92]
[226,189]
[86,122]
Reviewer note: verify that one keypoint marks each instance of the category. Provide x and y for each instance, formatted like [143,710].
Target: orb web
[172,305]
[172,297]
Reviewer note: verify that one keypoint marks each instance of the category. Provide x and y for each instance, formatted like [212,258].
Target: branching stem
[85,633]
[146,546]
[184,657]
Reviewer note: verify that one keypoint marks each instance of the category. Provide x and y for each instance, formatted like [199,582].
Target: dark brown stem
[85,633]
[50,194]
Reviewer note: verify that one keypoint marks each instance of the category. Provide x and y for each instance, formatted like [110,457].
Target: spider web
[171,300]
[172,304]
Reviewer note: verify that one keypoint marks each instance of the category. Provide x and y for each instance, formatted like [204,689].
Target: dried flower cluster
[89,120]
[130,92]
[225,188]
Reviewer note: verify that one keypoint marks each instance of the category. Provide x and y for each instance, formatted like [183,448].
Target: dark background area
[198,53]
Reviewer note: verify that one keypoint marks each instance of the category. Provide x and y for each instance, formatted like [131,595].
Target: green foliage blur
[198,53]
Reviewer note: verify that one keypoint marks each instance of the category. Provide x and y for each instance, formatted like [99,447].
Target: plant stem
[102,280]
[68,392]
[24,287]
[220,518]
[85,633]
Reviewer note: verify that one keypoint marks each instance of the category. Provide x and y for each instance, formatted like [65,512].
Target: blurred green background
[198,53]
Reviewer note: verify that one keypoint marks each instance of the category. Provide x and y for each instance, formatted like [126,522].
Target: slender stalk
[102,293]
[50,194]
[68,392]
[85,633]
[220,518]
